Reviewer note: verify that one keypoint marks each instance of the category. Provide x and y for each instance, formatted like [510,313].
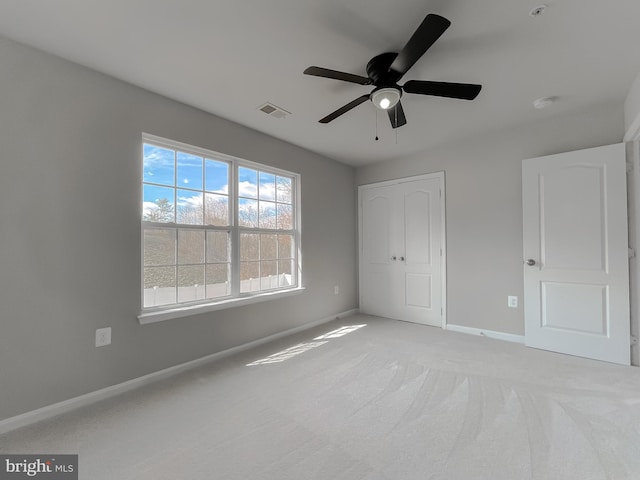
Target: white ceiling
[228,57]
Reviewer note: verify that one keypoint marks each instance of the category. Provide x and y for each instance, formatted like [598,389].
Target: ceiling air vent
[273,110]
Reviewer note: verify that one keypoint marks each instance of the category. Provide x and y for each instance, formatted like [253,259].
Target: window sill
[177,312]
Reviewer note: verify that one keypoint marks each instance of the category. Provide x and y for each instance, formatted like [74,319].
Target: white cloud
[157,157]
[247,189]
[268,191]
[148,208]
[224,190]
[193,201]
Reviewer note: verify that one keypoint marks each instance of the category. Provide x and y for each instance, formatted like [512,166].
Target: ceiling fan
[385,70]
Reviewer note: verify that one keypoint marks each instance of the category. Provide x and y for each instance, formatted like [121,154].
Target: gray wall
[70,142]
[484,207]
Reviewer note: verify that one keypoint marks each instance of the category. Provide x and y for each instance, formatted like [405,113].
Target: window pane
[217,280]
[158,165]
[216,209]
[267,215]
[189,171]
[247,213]
[217,247]
[283,190]
[286,273]
[249,246]
[247,182]
[190,247]
[268,275]
[159,246]
[285,217]
[158,204]
[191,283]
[285,246]
[190,207]
[268,247]
[216,176]
[190,221]
[249,277]
[267,186]
[159,286]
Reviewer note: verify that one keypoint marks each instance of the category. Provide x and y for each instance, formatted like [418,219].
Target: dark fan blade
[345,109]
[464,91]
[396,115]
[345,77]
[431,28]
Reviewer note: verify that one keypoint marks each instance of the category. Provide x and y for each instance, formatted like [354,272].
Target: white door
[400,254]
[576,275]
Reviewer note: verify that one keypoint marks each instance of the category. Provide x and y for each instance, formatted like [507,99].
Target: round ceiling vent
[537,11]
[543,102]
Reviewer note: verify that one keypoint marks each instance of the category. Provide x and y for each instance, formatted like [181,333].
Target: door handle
[531,262]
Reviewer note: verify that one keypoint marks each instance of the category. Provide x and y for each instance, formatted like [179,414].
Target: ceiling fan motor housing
[378,70]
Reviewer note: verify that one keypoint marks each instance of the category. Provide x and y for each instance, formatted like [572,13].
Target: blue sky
[162,166]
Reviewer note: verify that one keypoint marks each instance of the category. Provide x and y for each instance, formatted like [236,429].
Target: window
[214,227]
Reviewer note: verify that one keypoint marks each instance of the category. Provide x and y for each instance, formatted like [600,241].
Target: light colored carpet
[389,400]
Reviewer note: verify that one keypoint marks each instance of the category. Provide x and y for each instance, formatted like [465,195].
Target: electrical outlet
[512,302]
[103,336]
[336,290]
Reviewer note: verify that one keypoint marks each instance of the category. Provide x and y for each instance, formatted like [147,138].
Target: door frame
[632,139]
[443,231]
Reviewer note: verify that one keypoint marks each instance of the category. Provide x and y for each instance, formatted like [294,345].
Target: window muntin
[214,227]
[265,211]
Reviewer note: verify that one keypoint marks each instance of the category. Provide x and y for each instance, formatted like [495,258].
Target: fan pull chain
[396,129]
[376,111]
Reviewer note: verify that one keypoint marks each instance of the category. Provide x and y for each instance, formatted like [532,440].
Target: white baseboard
[508,337]
[65,406]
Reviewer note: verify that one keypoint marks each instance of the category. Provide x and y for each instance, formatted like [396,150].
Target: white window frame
[236,298]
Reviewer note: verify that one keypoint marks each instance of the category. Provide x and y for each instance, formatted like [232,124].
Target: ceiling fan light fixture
[386,98]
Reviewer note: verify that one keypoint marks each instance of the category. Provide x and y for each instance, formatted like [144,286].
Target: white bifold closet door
[401,250]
